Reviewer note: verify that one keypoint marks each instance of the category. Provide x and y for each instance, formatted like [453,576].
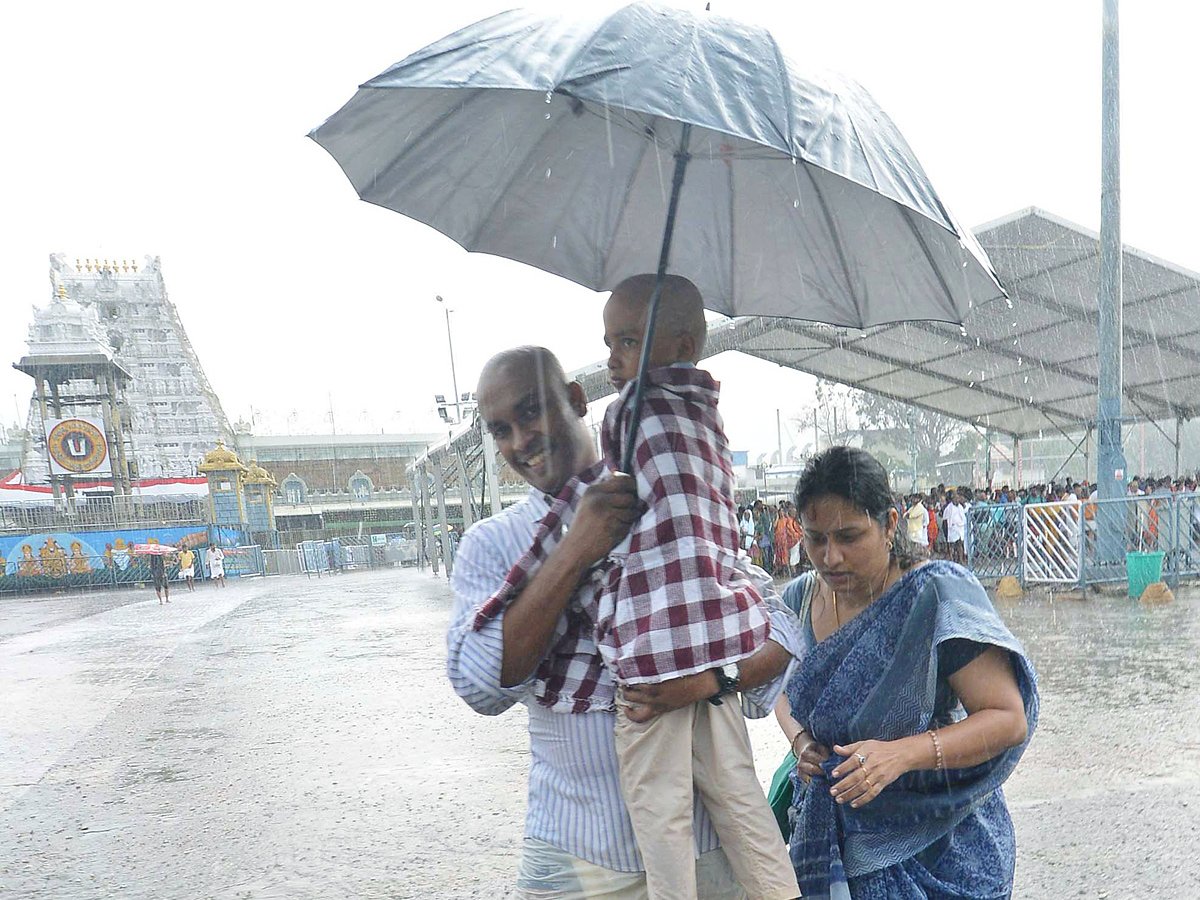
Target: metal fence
[1085,542]
[994,540]
[56,569]
[102,514]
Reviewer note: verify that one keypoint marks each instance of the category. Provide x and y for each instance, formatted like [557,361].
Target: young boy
[675,603]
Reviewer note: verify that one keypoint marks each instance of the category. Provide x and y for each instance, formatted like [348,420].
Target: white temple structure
[170,414]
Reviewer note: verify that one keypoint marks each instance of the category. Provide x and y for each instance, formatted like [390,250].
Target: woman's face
[846,546]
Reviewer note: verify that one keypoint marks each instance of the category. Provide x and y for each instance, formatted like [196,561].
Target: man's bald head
[535,416]
[525,361]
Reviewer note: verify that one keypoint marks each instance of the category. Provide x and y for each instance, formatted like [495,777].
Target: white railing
[1052,542]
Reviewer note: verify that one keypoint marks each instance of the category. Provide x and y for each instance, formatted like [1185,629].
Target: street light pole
[453,373]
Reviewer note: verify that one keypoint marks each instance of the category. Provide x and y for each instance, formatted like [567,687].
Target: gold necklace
[837,618]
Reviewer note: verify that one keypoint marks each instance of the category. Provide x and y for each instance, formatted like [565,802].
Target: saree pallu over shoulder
[877,678]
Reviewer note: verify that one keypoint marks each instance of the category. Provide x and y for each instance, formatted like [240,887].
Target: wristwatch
[728,677]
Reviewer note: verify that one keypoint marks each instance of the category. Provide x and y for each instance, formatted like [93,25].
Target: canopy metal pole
[1110,474]
[635,415]
[439,485]
[464,489]
[1178,443]
[489,471]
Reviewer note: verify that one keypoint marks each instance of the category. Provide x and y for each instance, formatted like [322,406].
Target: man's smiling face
[535,419]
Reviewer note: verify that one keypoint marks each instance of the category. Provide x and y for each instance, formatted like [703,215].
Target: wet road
[292,739]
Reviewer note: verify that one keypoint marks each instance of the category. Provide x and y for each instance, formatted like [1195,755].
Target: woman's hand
[812,754]
[861,782]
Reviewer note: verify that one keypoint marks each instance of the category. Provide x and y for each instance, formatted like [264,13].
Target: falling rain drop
[1009,302]
[1026,379]
[1020,361]
[795,204]
[547,115]
[547,173]
[549,96]
[554,243]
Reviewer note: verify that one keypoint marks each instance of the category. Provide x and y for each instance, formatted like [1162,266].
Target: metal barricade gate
[1052,542]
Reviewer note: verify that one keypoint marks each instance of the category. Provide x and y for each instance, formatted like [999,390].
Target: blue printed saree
[928,835]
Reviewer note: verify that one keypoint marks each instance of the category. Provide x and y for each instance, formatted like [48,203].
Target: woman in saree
[911,705]
[787,536]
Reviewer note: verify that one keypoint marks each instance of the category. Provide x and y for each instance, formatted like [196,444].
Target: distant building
[337,463]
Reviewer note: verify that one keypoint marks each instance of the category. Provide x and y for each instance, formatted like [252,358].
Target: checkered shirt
[673,600]
[571,677]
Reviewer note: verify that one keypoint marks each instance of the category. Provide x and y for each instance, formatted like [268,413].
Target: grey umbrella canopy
[554,141]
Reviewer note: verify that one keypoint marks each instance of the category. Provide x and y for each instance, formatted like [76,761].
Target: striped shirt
[574,792]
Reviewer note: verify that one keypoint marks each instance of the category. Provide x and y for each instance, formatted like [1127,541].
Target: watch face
[730,671]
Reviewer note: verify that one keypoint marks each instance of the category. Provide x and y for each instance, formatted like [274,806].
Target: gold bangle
[939,760]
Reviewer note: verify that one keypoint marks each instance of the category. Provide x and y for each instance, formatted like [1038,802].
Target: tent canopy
[1018,371]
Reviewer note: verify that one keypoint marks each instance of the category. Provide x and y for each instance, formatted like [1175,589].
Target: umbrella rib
[403,154]
[907,213]
[612,238]
[787,92]
[483,220]
[837,243]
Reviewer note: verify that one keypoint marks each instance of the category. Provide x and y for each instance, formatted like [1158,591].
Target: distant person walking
[187,568]
[214,559]
[956,529]
[158,573]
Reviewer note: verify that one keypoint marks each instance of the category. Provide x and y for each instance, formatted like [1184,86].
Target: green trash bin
[1143,569]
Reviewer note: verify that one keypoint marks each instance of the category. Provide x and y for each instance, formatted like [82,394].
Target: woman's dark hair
[859,478]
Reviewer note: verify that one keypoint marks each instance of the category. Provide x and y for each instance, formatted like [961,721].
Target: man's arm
[604,517]
[762,676]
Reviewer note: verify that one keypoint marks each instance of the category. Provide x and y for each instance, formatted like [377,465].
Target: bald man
[579,840]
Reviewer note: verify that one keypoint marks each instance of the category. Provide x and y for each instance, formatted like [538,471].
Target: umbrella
[155,549]
[566,142]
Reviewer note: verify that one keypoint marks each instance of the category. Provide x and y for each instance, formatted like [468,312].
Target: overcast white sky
[142,128]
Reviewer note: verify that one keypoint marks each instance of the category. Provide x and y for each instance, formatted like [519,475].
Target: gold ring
[868,781]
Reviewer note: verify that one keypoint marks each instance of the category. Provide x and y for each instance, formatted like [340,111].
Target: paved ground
[292,739]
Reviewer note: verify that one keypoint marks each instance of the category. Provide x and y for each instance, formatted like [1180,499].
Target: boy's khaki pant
[706,746]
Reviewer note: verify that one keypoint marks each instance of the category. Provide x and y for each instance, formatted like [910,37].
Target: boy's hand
[606,513]
[645,701]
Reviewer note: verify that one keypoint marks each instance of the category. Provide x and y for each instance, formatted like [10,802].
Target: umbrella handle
[635,410]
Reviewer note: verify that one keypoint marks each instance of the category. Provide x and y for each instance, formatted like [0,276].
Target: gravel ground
[296,738]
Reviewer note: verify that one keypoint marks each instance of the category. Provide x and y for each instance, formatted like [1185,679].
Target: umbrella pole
[635,411]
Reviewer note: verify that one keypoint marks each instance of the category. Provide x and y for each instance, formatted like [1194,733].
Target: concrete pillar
[41,395]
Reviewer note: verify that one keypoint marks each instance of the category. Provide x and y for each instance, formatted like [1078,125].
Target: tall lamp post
[453,373]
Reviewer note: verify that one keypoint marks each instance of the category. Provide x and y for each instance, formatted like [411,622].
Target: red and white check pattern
[671,600]
[571,676]
[674,600]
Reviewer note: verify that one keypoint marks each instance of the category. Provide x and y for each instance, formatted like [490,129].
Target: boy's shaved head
[679,330]
[680,306]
